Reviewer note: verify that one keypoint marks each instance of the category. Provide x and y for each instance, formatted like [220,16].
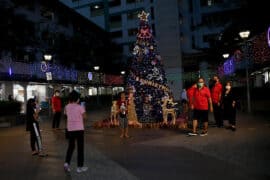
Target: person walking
[216,93]
[201,103]
[229,106]
[32,125]
[123,120]
[190,95]
[57,109]
[75,128]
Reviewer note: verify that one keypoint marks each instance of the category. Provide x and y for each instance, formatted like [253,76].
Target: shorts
[200,115]
[123,121]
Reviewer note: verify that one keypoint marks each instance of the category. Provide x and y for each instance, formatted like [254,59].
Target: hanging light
[225,55]
[244,34]
[96,68]
[47,57]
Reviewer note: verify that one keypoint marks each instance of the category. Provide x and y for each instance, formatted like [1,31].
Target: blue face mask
[200,85]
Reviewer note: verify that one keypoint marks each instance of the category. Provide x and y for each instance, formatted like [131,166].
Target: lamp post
[96,68]
[44,68]
[244,35]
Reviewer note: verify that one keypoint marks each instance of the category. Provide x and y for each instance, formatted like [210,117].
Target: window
[210,2]
[97,10]
[152,13]
[132,32]
[116,34]
[133,15]
[114,3]
[210,38]
[115,21]
[153,30]
[131,46]
[134,1]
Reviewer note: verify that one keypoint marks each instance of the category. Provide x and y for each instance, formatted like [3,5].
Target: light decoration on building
[10,71]
[43,66]
[229,66]
[90,76]
[261,49]
[34,70]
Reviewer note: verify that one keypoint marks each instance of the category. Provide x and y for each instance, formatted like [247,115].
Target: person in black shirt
[229,106]
[32,125]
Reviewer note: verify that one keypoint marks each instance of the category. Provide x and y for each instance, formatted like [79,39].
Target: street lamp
[244,35]
[47,57]
[123,72]
[96,68]
[225,55]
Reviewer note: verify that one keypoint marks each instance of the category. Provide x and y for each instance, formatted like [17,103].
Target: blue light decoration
[90,76]
[10,71]
[229,66]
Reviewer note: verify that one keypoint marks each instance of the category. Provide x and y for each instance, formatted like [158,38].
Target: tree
[146,76]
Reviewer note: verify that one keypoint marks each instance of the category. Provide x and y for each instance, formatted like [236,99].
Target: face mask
[228,87]
[200,85]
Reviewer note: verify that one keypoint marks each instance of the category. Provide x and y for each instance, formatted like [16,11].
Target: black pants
[56,120]
[35,137]
[217,115]
[230,114]
[79,137]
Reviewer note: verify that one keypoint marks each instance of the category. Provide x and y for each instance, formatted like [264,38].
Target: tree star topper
[143,16]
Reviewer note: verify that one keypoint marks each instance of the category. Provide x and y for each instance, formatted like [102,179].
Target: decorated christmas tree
[147,76]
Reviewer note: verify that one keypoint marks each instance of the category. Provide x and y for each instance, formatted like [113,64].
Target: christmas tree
[146,75]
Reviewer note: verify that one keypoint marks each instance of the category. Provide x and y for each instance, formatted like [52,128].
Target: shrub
[10,107]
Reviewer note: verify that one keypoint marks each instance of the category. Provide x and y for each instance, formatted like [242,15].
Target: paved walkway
[148,154]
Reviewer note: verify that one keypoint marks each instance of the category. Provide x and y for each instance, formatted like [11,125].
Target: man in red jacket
[216,92]
[57,109]
[201,103]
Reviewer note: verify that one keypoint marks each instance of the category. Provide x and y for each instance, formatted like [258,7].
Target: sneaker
[203,134]
[42,154]
[192,134]
[66,167]
[82,169]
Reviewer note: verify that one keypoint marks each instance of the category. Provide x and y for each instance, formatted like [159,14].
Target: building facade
[119,17]
[29,31]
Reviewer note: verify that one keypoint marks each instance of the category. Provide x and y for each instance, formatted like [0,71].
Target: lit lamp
[47,57]
[96,68]
[244,35]
[123,72]
[225,55]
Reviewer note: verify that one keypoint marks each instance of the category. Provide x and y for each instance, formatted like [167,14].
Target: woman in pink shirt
[75,129]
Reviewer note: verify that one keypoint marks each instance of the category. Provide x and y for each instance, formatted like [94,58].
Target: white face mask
[228,87]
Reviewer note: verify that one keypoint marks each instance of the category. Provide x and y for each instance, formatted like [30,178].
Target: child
[114,113]
[32,125]
[122,105]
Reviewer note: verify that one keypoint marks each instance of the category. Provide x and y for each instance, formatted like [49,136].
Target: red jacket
[56,104]
[216,92]
[201,97]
